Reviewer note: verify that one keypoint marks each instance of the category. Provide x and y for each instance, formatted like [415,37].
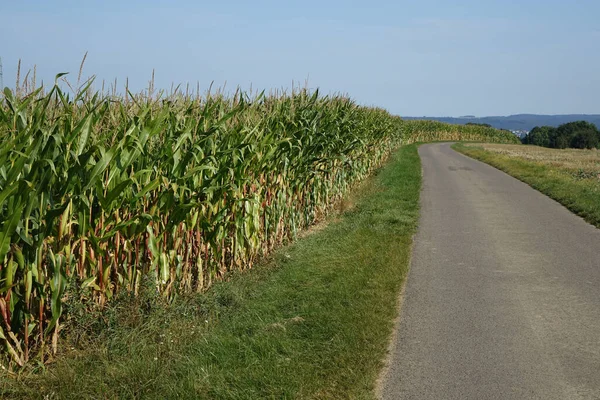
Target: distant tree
[540,136]
[478,124]
[578,134]
[561,141]
[585,139]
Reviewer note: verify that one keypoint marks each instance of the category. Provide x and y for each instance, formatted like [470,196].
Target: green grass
[581,196]
[313,321]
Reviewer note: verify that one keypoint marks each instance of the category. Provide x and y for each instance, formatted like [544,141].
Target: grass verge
[312,322]
[580,195]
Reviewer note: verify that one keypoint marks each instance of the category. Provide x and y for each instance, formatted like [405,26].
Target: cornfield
[100,191]
[427,131]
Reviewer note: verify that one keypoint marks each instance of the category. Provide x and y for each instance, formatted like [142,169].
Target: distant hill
[524,122]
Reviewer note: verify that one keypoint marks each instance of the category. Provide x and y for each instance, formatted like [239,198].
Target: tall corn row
[101,192]
[427,131]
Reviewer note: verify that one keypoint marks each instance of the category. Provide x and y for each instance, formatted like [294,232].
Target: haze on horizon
[486,57]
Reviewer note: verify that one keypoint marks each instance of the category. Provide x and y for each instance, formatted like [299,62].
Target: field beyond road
[502,300]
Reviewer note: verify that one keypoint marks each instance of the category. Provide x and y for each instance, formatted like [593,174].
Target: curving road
[503,297]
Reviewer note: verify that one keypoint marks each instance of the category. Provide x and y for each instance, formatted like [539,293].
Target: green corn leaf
[149,187]
[83,133]
[8,191]
[98,169]
[114,193]
[8,228]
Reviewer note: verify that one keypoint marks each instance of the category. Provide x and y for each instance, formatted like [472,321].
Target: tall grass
[100,191]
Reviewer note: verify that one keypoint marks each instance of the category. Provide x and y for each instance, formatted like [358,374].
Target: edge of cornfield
[313,321]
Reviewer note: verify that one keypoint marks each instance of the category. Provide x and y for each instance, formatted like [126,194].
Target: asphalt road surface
[503,297]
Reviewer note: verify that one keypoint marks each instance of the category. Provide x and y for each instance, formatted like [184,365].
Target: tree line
[478,124]
[578,135]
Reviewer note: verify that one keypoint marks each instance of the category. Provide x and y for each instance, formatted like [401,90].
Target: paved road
[503,296]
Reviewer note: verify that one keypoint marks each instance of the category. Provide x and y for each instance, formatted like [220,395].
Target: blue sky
[426,57]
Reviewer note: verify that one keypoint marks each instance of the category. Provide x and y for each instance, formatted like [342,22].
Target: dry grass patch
[581,164]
